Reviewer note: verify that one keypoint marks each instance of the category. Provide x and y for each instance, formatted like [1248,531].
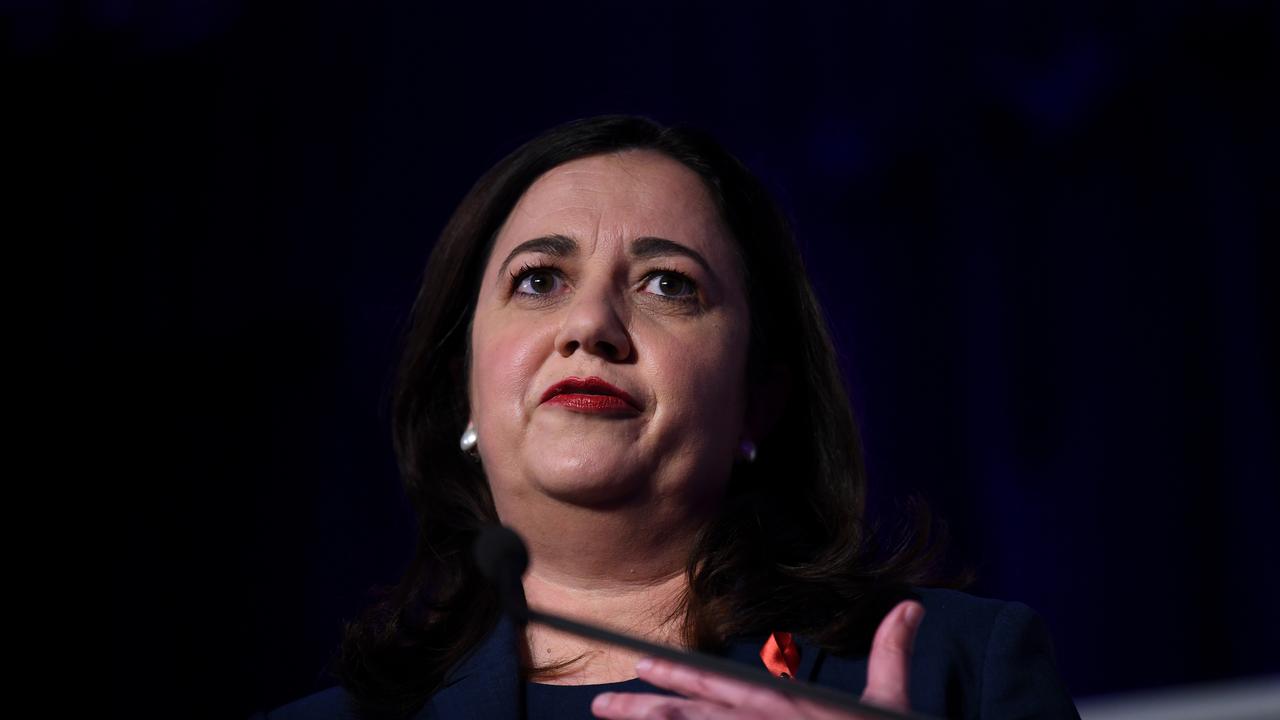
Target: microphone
[502,558]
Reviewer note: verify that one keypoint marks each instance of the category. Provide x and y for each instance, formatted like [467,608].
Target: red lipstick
[590,395]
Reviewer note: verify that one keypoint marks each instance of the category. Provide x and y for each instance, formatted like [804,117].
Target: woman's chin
[590,481]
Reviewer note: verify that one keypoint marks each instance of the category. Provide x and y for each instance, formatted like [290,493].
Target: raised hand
[708,696]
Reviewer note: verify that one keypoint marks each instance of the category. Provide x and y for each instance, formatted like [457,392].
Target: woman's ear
[767,401]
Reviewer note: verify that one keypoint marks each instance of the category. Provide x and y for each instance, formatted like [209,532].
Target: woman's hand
[709,696]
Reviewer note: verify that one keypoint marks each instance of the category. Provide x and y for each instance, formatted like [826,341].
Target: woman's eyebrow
[554,245]
[644,248]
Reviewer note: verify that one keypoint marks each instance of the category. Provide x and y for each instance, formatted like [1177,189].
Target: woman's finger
[739,699]
[648,706]
[889,667]
[702,685]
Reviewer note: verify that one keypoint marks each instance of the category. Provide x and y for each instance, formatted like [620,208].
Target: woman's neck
[606,569]
[651,611]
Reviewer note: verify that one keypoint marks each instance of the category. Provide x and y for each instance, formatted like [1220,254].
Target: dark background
[1044,234]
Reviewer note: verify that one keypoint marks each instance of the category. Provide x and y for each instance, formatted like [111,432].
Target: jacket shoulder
[1000,650]
[331,704]
[964,618]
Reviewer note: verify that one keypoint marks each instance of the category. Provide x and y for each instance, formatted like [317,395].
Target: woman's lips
[591,403]
[590,395]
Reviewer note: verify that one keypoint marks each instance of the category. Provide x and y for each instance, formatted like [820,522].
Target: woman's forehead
[616,197]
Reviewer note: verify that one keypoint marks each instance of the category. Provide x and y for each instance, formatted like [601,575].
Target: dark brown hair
[789,549]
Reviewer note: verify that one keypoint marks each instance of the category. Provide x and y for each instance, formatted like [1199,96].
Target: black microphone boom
[502,558]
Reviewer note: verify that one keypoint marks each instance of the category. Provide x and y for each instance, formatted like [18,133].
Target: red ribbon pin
[781,655]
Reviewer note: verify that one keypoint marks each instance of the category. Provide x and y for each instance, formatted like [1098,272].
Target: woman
[617,324]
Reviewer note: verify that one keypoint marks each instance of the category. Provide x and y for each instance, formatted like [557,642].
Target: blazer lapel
[486,684]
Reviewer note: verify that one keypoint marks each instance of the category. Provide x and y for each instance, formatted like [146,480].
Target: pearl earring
[747,451]
[469,439]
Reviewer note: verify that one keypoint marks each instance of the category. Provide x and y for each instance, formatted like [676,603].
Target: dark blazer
[974,658]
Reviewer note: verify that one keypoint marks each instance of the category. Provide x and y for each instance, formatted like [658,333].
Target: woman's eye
[670,284]
[538,282]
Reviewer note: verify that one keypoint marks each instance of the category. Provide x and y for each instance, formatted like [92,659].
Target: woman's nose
[593,325]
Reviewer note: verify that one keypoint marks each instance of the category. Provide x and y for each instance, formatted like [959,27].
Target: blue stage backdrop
[1044,234]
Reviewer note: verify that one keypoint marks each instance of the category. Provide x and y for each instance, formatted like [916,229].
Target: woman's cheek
[517,354]
[706,380]
[723,373]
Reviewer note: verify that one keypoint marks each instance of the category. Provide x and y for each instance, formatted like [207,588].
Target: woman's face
[616,267]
